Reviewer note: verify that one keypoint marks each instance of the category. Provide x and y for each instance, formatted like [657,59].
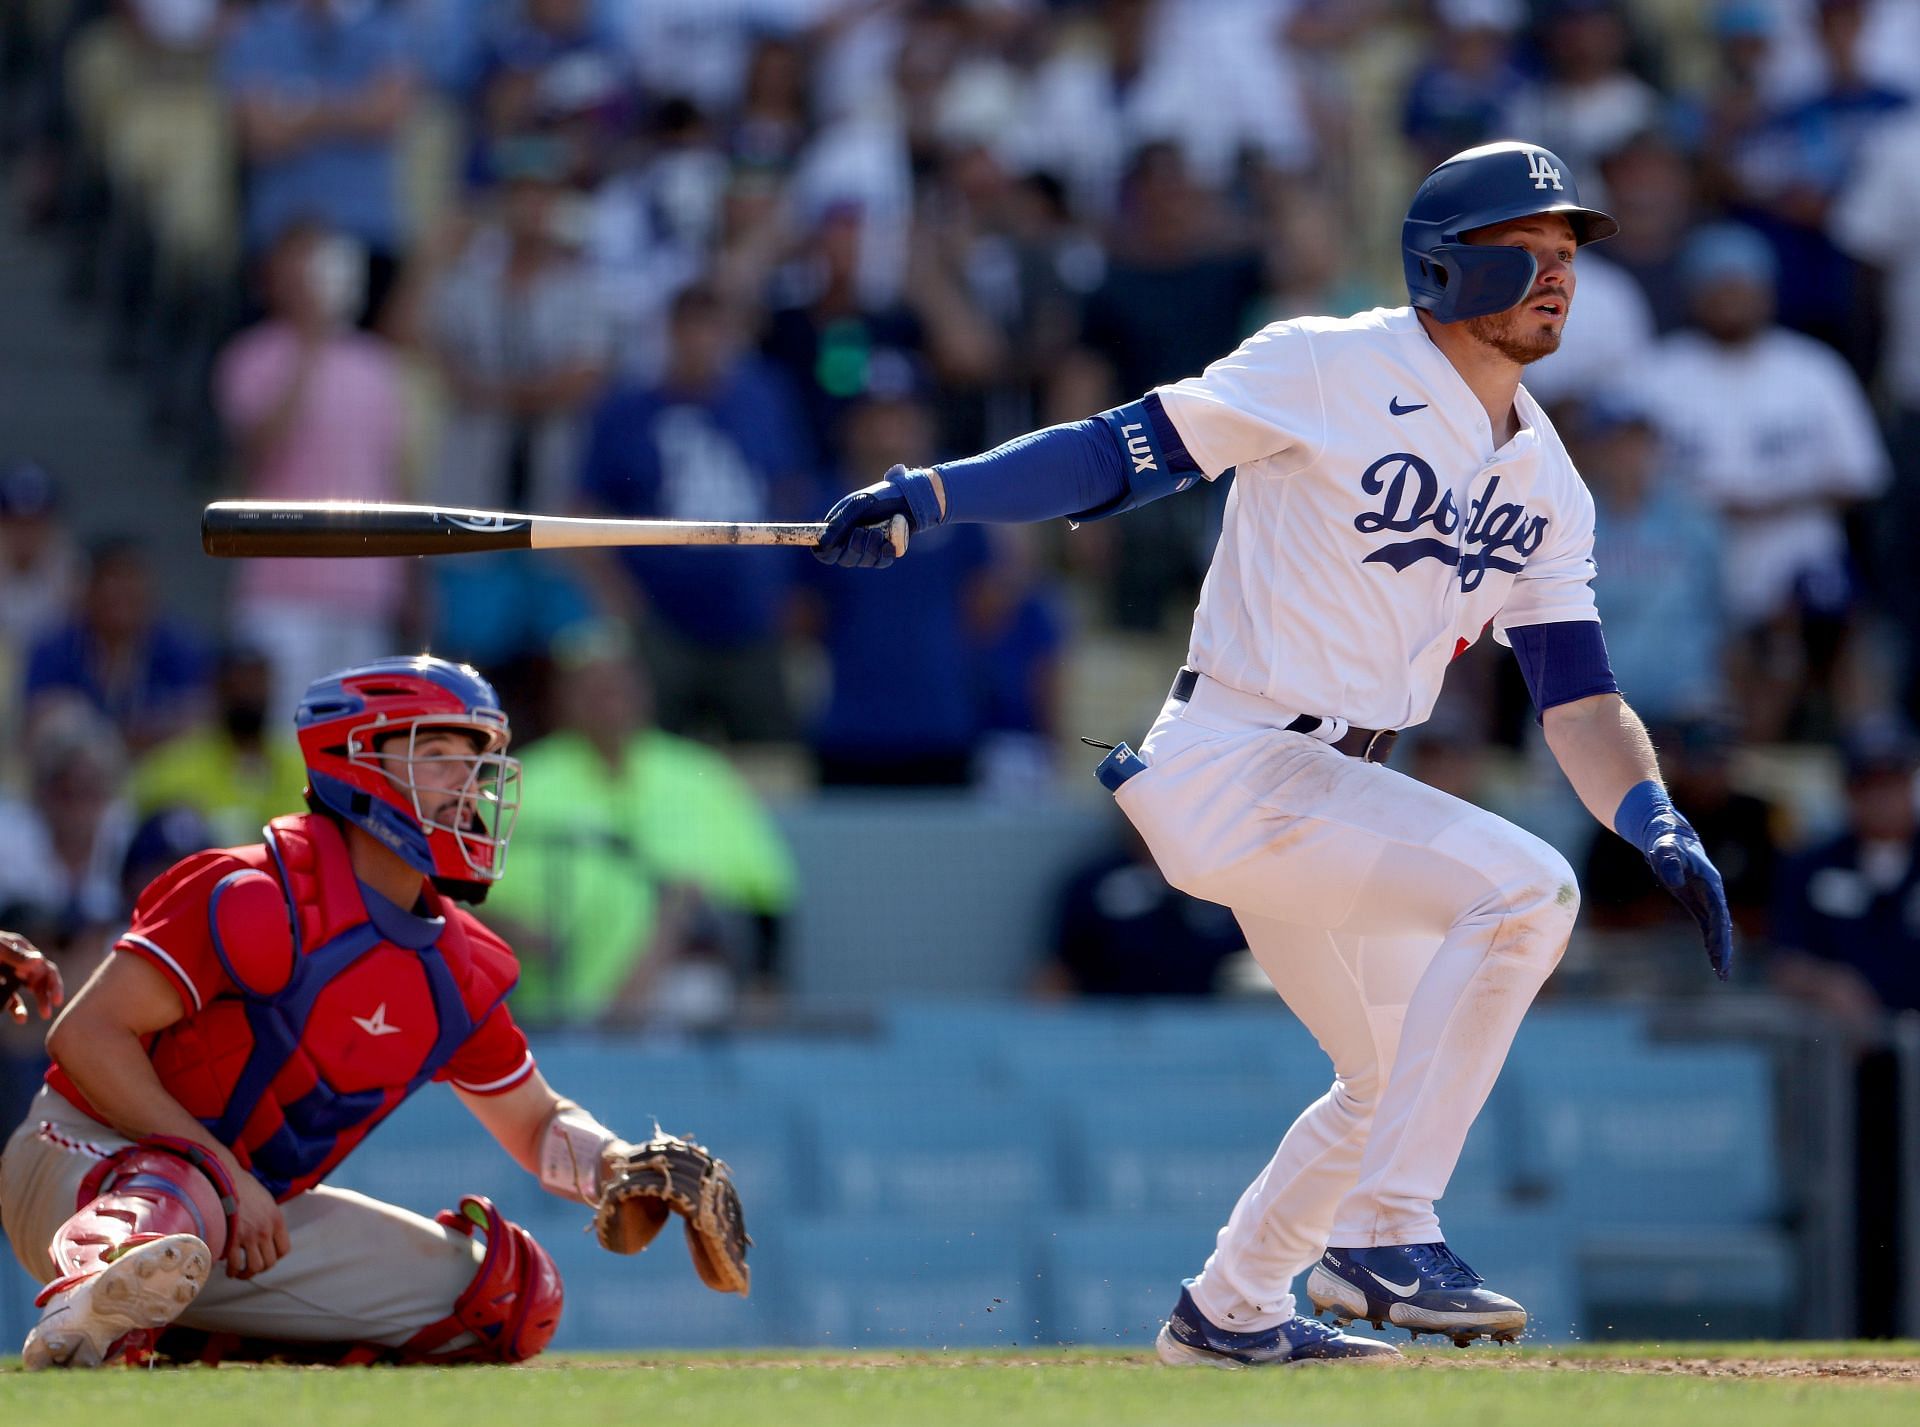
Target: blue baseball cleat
[1189,1340]
[1424,1288]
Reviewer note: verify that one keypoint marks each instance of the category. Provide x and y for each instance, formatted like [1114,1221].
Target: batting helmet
[1491,184]
[381,790]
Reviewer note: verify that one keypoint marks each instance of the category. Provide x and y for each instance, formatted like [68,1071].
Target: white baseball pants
[1408,930]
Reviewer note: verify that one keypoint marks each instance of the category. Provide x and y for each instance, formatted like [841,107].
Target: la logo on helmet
[1541,170]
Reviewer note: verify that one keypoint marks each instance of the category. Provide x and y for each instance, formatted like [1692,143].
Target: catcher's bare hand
[644,1182]
[25,972]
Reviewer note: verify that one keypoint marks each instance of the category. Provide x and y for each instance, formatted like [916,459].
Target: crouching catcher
[269,1006]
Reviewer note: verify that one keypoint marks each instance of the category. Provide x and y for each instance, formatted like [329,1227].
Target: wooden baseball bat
[349,528]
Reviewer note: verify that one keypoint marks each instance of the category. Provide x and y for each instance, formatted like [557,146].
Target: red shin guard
[158,1187]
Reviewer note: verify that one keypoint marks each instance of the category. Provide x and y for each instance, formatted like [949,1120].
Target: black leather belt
[1370,745]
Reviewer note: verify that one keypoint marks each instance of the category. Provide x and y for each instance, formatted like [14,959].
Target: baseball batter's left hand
[860,534]
[25,972]
[643,1183]
[1674,852]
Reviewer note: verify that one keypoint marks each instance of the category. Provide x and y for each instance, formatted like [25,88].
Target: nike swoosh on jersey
[1395,408]
[1402,1289]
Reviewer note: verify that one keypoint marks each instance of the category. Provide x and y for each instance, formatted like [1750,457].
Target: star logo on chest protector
[376,1024]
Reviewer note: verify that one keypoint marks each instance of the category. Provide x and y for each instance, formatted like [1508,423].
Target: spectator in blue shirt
[1661,550]
[551,68]
[832,342]
[904,707]
[1788,173]
[148,675]
[1020,634]
[1460,98]
[321,89]
[718,438]
[1846,920]
[1120,930]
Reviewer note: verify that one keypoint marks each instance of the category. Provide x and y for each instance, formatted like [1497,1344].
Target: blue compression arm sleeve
[1562,662]
[1077,469]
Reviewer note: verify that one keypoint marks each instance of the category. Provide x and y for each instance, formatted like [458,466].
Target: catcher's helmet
[1491,184]
[463,847]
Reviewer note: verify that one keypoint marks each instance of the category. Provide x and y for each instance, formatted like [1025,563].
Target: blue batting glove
[856,537]
[1648,819]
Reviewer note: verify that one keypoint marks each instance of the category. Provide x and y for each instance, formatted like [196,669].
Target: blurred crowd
[726,259]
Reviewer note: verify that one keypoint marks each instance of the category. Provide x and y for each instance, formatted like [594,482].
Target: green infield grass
[1644,1385]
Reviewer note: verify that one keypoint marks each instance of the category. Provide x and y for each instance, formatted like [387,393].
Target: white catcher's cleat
[145,1288]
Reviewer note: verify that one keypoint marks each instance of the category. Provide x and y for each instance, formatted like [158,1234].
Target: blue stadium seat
[780,1065]
[1177,1154]
[914,1153]
[1555,1035]
[916,1284]
[983,1027]
[1702,1282]
[1041,1068]
[17,1313]
[1259,1033]
[1113,1278]
[652,1299]
[1668,1136]
[618,1077]
[1494,1171]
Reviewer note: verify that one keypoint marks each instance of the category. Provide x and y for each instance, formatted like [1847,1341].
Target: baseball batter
[1398,494]
[268,1007]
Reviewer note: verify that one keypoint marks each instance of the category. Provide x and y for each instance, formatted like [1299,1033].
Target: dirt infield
[1850,1364]
[1836,1369]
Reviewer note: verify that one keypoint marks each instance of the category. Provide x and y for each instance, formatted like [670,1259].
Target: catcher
[267,1008]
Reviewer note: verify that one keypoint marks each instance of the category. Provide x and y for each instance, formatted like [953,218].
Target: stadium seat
[1494,1170]
[17,1313]
[615,1076]
[1168,1152]
[908,1152]
[655,1299]
[1256,1033]
[1086,1071]
[984,1029]
[968,922]
[1703,1282]
[777,1065]
[914,1284]
[1668,1136]
[1111,1279]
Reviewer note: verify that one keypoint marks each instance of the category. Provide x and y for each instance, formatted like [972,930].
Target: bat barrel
[316,529]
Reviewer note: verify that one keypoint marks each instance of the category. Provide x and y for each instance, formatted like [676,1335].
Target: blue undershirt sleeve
[1079,469]
[1562,662]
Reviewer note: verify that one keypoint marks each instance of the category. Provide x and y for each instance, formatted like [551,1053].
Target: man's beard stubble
[1517,334]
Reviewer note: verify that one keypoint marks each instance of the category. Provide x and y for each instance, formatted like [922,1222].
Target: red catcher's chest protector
[339,1013]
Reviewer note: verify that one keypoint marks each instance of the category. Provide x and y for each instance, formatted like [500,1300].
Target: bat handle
[897,535]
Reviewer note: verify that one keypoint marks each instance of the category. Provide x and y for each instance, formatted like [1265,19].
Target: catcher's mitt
[644,1181]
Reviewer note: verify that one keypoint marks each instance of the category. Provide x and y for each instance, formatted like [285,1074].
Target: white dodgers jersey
[1373,530]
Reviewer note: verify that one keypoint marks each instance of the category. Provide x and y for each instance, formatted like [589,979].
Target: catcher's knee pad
[512,1307]
[158,1187]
